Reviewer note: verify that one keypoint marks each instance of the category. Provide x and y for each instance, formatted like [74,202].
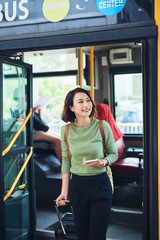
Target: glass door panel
[12,166]
[14,103]
[17,205]
[16,83]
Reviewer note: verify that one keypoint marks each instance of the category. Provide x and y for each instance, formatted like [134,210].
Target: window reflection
[135,11]
[14,79]
[128,98]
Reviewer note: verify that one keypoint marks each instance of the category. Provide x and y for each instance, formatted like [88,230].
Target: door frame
[24,149]
[148,35]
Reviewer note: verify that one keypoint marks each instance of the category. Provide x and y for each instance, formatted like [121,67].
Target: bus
[110,48]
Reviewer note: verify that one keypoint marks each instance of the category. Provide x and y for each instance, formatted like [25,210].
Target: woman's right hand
[60,201]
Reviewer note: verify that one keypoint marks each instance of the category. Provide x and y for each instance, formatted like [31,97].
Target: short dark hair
[106,101]
[67,114]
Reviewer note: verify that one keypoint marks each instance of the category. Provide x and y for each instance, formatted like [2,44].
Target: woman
[90,189]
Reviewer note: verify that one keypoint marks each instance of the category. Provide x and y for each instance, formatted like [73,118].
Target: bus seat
[127,166]
[120,147]
[45,158]
[129,169]
[42,144]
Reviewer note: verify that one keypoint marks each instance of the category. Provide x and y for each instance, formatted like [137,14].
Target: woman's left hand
[36,108]
[97,163]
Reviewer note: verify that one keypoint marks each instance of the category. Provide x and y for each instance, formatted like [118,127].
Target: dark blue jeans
[91,198]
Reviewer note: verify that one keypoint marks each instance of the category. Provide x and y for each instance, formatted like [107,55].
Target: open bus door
[17,208]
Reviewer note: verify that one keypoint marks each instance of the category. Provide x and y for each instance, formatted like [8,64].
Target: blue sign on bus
[110,7]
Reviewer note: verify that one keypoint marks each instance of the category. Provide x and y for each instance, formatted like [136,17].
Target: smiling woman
[90,189]
[82,106]
[68,112]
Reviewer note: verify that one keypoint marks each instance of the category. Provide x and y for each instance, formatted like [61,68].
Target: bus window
[52,61]
[56,89]
[128,102]
[54,75]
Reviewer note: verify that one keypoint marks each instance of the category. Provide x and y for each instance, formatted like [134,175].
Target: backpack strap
[103,136]
[66,136]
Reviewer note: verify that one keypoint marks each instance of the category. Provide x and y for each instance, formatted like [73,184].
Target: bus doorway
[119,78]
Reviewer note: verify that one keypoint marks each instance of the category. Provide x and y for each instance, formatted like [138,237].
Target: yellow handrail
[22,186]
[17,134]
[80,66]
[92,71]
[19,175]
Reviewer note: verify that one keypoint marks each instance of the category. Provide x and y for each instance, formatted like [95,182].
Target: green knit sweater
[86,142]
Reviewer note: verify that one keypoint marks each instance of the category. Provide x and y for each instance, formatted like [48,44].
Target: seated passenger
[104,113]
[39,135]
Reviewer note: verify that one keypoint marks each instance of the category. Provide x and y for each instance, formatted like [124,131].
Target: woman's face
[82,105]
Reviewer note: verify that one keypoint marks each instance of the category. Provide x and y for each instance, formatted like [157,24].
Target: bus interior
[119,79]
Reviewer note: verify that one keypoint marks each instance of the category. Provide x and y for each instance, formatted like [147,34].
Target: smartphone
[90,161]
[66,201]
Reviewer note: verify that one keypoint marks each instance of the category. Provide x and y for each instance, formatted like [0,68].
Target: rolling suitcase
[65,229]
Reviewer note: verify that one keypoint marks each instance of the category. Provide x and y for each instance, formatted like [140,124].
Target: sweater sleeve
[111,150]
[66,163]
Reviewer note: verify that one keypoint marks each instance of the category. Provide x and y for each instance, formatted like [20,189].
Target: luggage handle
[59,216]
